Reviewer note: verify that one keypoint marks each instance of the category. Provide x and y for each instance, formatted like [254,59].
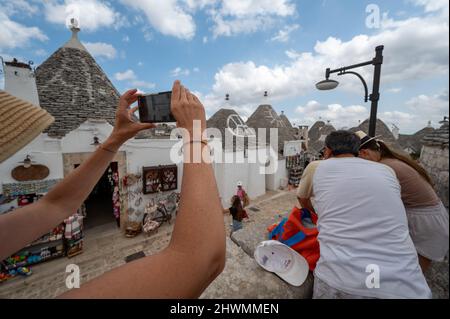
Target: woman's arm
[24,225]
[196,253]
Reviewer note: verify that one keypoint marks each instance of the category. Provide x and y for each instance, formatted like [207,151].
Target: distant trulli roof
[73,88]
[266,117]
[414,141]
[382,129]
[286,120]
[317,134]
[220,121]
[439,137]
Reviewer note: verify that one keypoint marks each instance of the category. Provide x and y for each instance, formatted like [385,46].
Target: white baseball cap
[239,183]
[282,260]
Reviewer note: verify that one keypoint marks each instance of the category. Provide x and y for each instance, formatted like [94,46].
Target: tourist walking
[242,194]
[365,247]
[428,219]
[237,212]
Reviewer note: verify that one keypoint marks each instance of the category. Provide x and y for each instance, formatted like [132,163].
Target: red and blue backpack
[292,231]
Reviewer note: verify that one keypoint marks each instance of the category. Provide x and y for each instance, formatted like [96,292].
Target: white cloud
[100,49]
[143,84]
[246,8]
[21,7]
[433,5]
[91,14]
[229,17]
[248,16]
[394,90]
[15,35]
[338,115]
[415,49]
[125,76]
[131,78]
[40,52]
[167,17]
[284,34]
[180,72]
[426,108]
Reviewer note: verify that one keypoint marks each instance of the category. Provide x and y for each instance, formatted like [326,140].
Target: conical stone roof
[317,134]
[266,117]
[73,88]
[439,137]
[382,129]
[414,141]
[285,120]
[220,121]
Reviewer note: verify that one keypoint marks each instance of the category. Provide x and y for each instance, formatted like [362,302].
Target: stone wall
[435,159]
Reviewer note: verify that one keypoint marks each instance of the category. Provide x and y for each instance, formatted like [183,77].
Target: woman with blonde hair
[428,219]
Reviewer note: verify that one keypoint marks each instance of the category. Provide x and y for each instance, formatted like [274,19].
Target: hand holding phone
[155,108]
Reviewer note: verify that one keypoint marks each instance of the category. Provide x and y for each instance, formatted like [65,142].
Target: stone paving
[106,249]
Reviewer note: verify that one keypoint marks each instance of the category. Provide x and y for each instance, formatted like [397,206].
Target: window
[160,178]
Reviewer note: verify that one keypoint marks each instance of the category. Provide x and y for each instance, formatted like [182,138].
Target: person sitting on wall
[195,255]
[427,216]
[365,247]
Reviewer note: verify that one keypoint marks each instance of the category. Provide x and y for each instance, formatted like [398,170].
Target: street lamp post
[377,61]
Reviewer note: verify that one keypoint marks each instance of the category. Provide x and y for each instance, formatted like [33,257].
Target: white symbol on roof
[237,127]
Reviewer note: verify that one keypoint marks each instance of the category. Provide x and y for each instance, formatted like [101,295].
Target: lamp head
[327,84]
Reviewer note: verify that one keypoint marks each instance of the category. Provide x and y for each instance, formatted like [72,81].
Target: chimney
[20,81]
[74,42]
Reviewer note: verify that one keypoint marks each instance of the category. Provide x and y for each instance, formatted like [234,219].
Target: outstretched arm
[196,253]
[24,225]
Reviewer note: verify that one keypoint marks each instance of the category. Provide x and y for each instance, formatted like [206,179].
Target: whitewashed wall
[21,83]
[273,181]
[43,150]
[140,153]
[227,175]
[147,153]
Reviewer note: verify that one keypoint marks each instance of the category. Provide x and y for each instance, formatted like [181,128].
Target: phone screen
[155,108]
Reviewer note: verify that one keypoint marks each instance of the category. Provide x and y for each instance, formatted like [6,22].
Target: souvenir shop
[66,239]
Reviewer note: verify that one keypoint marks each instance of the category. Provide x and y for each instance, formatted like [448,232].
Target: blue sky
[244,47]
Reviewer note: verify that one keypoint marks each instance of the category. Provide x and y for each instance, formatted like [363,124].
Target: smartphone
[155,108]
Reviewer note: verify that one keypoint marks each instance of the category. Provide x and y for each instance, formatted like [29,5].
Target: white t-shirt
[362,227]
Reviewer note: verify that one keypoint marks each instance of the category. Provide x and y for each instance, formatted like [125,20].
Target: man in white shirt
[365,247]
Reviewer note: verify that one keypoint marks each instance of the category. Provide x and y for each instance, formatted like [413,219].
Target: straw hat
[365,138]
[20,123]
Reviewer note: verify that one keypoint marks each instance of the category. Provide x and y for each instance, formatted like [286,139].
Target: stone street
[105,248]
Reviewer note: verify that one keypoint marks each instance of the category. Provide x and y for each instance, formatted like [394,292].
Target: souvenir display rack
[295,168]
[160,178]
[52,245]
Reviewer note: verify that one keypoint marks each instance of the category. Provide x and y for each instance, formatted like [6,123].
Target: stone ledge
[243,278]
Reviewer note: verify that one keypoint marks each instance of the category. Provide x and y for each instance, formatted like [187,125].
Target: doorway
[99,206]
